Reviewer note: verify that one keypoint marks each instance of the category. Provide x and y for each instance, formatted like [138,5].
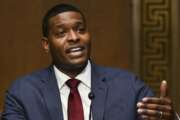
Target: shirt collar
[84,76]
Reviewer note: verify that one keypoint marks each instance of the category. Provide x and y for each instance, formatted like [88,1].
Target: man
[60,92]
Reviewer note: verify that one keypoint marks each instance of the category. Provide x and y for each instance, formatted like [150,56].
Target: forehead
[64,18]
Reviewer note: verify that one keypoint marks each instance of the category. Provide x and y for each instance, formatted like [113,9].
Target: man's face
[68,40]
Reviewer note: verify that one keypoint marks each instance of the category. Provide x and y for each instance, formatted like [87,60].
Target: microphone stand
[91,97]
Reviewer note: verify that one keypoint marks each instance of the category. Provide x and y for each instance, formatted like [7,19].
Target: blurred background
[141,36]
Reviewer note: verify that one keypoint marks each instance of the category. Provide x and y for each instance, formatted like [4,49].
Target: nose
[73,36]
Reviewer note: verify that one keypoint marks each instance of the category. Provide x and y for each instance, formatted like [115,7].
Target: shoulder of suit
[110,72]
[120,77]
[30,80]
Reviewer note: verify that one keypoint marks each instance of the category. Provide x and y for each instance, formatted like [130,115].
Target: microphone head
[91,95]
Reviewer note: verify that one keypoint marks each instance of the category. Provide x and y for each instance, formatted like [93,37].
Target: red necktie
[75,108]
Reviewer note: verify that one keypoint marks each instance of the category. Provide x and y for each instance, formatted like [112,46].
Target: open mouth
[78,49]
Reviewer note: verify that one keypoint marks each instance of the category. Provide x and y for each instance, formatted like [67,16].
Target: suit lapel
[52,99]
[99,88]
[52,96]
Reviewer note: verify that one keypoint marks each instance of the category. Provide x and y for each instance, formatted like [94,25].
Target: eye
[61,33]
[80,28]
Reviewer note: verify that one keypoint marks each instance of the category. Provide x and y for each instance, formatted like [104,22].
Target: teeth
[75,49]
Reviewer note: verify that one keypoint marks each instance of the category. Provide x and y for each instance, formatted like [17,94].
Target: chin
[79,63]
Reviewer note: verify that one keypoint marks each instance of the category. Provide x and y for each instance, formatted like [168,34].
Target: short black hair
[60,8]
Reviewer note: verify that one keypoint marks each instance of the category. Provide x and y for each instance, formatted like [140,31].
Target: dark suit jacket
[36,96]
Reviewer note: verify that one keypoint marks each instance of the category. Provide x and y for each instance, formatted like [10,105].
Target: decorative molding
[153,40]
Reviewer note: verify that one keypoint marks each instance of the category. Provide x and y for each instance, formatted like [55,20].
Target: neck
[71,71]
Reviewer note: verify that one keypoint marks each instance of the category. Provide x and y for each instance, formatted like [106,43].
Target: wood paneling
[20,52]
[110,24]
[20,33]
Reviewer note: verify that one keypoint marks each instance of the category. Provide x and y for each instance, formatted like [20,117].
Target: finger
[164,108]
[146,117]
[154,113]
[155,100]
[163,89]
[151,113]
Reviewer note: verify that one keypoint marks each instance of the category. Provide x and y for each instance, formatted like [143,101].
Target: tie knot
[73,83]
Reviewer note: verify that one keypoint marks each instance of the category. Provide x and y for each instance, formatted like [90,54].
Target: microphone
[91,97]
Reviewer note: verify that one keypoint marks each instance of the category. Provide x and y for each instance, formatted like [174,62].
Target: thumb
[163,89]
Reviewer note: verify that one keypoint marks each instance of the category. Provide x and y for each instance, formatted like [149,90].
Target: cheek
[60,51]
[87,39]
[58,55]
[57,49]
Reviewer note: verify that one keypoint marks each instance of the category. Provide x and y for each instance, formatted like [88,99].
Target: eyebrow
[59,26]
[77,23]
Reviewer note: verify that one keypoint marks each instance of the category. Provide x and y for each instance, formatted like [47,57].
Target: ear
[45,44]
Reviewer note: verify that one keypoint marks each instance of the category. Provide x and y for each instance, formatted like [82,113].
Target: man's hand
[154,108]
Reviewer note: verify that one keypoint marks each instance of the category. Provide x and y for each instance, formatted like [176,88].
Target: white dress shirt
[84,89]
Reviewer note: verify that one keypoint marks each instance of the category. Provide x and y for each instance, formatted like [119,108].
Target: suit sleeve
[142,90]
[13,109]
